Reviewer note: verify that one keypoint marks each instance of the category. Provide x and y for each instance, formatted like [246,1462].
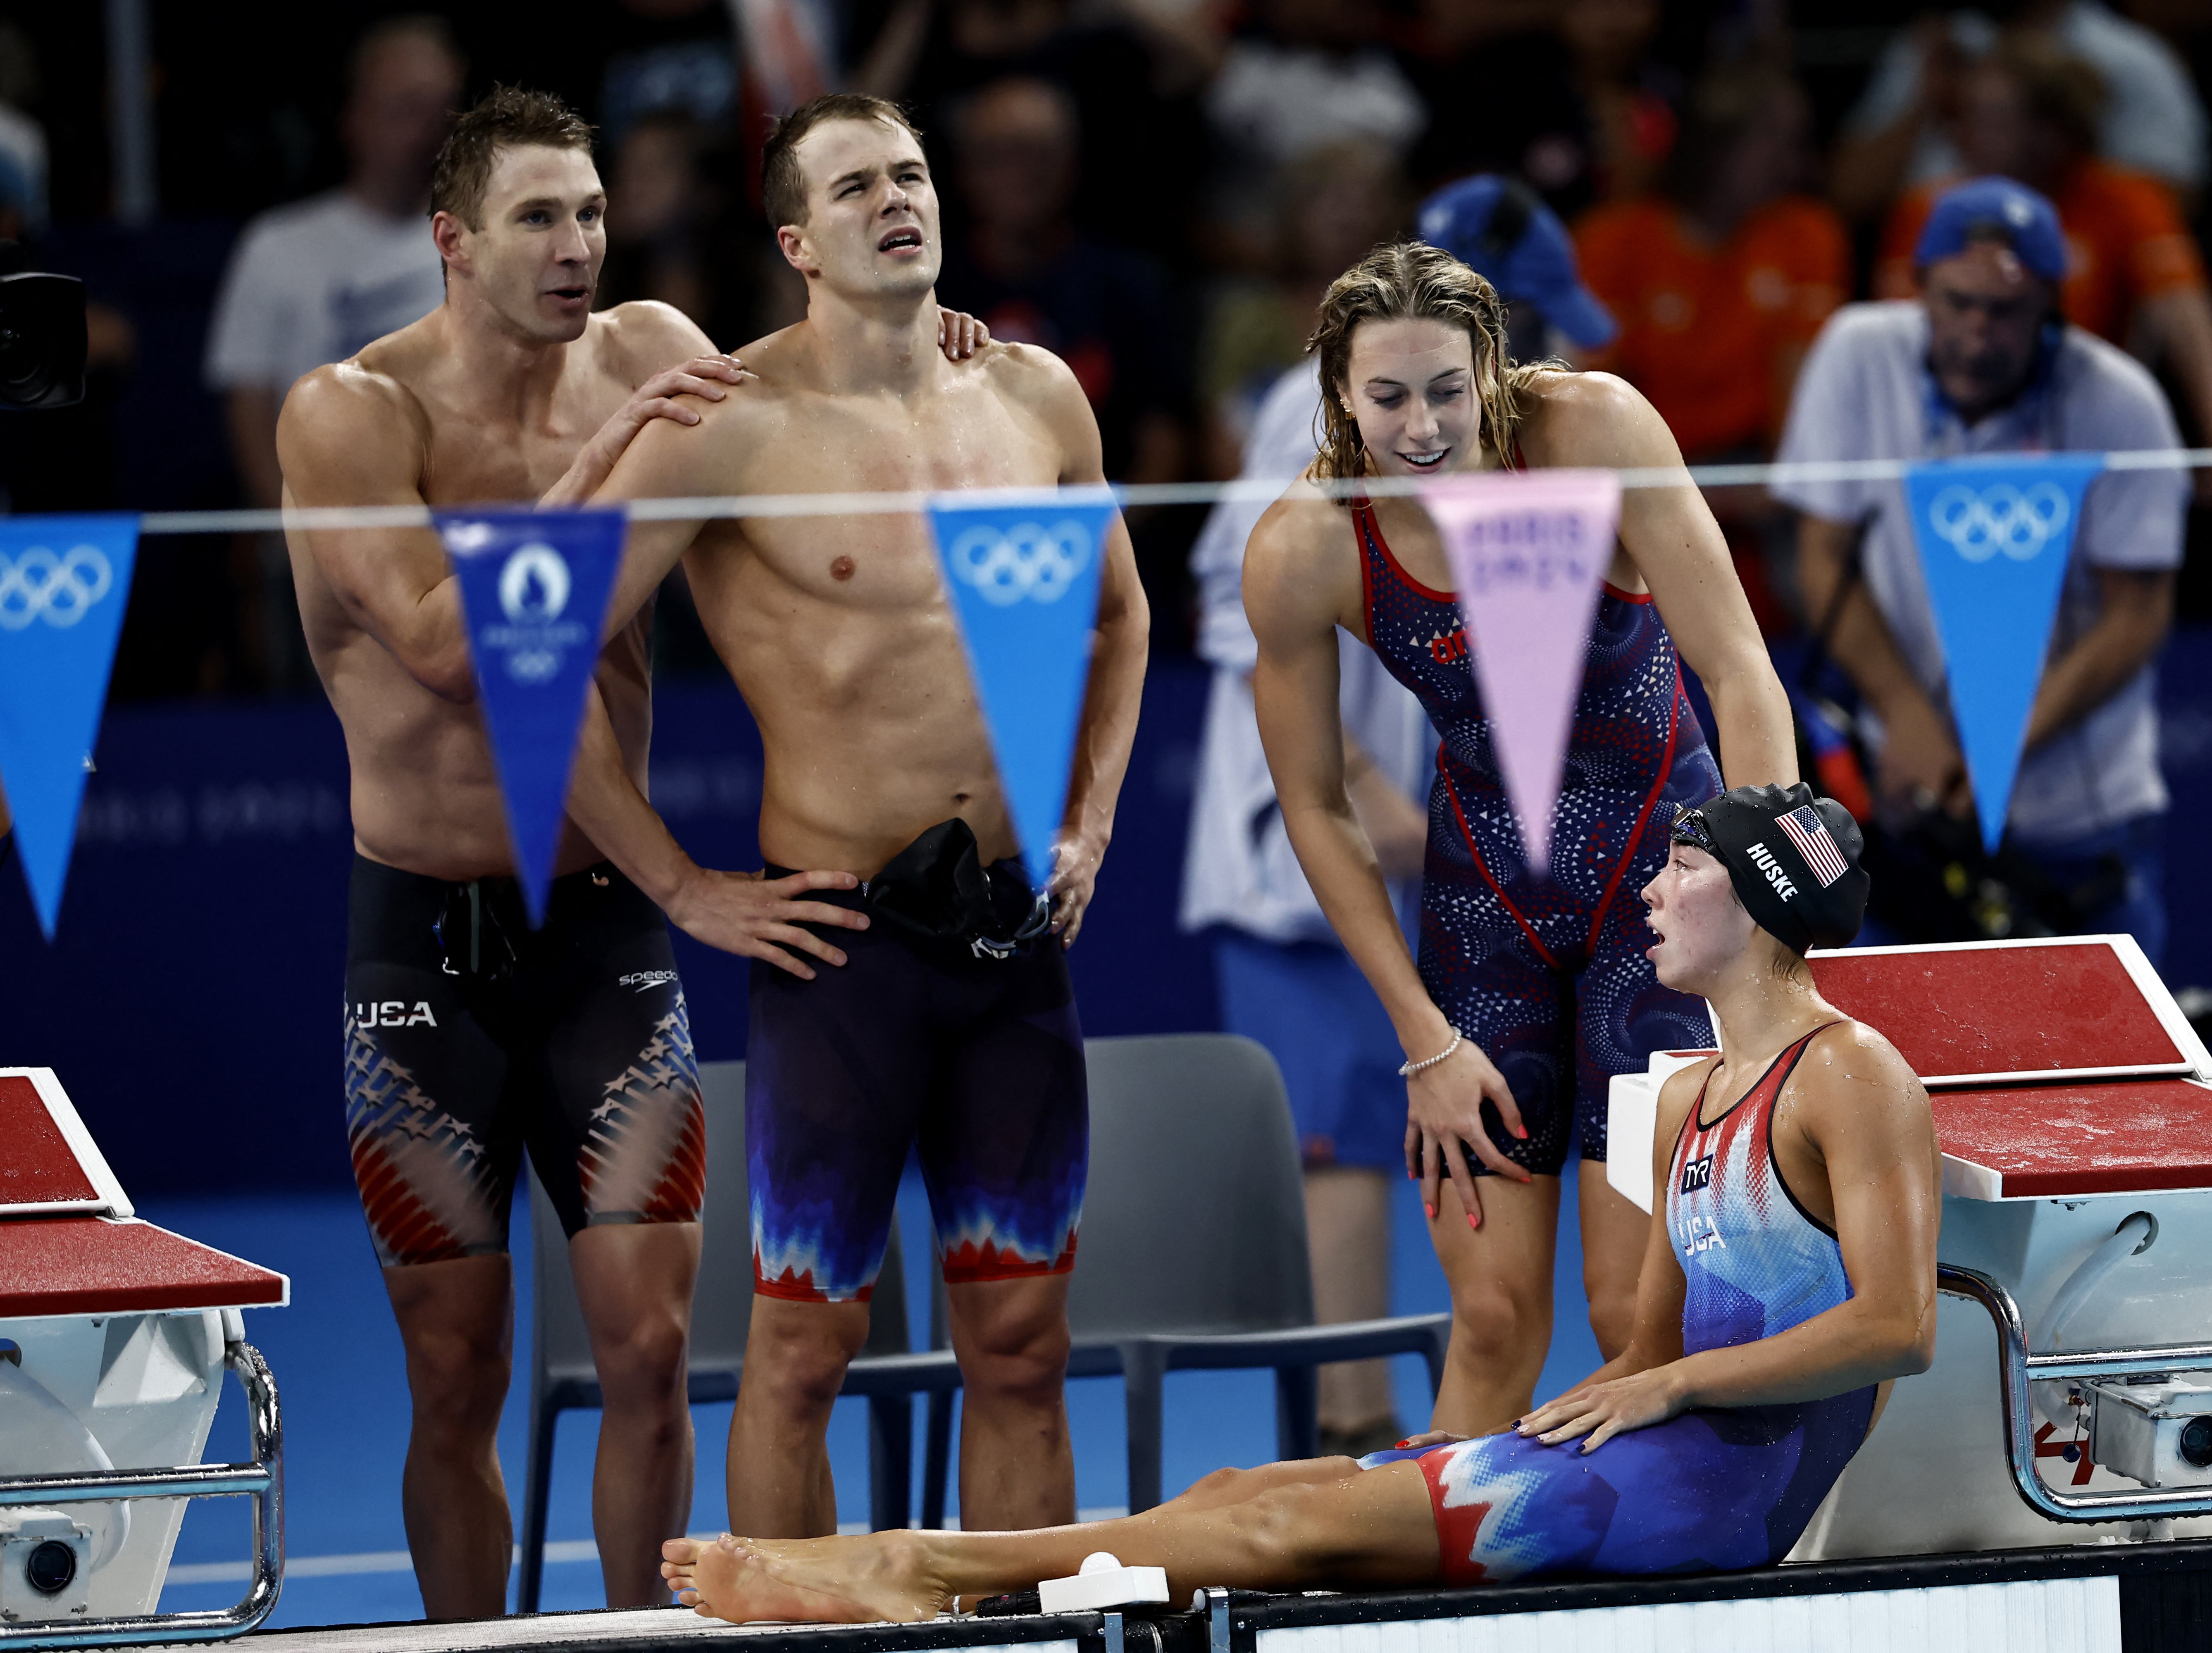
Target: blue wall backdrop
[192,1000]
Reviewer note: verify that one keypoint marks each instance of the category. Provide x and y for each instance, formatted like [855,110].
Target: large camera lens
[2196,1442]
[42,340]
[50,1567]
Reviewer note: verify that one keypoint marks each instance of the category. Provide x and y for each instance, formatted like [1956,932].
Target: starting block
[114,1335]
[2073,1103]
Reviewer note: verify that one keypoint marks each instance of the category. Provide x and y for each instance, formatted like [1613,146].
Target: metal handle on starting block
[261,1479]
[2018,1367]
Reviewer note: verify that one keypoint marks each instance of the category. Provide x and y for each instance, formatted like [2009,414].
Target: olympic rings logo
[1978,523]
[1029,560]
[59,590]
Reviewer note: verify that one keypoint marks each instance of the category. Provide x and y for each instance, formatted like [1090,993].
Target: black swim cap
[1793,858]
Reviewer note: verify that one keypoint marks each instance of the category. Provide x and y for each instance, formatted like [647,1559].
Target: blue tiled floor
[338,1362]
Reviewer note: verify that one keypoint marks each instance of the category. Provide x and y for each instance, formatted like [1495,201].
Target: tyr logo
[1697,1174]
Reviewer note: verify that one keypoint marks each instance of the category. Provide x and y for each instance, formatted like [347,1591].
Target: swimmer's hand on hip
[1075,861]
[755,916]
[1444,1117]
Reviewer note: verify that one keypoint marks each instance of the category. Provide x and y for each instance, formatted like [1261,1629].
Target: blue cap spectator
[1498,227]
[1984,208]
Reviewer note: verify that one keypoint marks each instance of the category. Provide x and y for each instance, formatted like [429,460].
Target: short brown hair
[1411,281]
[783,186]
[508,118]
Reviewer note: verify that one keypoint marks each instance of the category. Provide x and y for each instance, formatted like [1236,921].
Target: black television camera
[42,342]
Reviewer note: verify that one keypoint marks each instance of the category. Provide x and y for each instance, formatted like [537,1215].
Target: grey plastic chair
[562,1377]
[1193,1252]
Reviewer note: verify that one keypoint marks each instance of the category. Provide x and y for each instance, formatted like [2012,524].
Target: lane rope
[1127,496]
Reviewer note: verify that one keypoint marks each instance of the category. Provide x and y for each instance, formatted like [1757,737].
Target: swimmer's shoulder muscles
[1041,385]
[1301,583]
[352,434]
[1598,419]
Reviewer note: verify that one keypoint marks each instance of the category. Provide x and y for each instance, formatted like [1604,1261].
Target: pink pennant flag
[1528,550]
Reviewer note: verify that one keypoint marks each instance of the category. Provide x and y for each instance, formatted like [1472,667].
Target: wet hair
[508,118]
[783,186]
[1411,281]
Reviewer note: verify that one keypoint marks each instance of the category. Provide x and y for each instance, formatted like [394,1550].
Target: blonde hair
[1412,281]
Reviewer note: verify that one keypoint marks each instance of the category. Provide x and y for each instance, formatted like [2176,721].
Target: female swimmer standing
[1532,988]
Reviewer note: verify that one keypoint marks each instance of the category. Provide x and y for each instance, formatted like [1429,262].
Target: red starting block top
[2059,1141]
[48,1160]
[111,1265]
[1983,1012]
[69,1244]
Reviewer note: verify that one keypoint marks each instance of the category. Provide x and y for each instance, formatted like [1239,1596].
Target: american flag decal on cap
[1805,829]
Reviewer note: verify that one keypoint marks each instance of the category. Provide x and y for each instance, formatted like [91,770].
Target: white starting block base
[146,1387]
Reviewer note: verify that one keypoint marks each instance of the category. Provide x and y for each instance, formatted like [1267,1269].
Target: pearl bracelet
[1407,1070]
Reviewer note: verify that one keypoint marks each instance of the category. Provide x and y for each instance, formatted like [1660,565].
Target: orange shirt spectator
[2124,241]
[1713,332]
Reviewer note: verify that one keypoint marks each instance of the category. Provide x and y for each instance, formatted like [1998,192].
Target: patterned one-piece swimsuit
[1547,972]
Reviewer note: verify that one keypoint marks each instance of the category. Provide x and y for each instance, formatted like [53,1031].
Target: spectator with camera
[1983,362]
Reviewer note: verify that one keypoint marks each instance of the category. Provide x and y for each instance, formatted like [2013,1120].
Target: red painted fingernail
[1430,1209]
[1474,1221]
[1521,1132]
[1409,1441]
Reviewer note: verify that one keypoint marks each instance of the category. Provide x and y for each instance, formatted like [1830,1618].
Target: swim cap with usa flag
[1793,858]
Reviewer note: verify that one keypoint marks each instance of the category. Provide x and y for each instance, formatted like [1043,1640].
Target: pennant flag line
[1023,581]
[65,582]
[1528,550]
[1994,535]
[534,589]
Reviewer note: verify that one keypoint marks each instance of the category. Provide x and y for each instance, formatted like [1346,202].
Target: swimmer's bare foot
[857,1580]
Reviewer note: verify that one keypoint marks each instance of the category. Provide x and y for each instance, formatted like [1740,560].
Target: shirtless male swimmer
[867,1036]
[1769,1322]
[468,1037]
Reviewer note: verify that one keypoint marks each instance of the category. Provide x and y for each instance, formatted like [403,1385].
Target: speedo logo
[1764,858]
[645,981]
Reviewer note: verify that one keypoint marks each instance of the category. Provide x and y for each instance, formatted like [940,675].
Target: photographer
[1981,363]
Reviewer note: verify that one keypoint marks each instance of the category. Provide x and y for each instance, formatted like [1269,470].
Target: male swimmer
[1532,988]
[470,1037]
[1790,1277]
[926,1001]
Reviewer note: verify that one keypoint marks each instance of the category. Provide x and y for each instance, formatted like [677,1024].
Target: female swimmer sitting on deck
[1792,1276]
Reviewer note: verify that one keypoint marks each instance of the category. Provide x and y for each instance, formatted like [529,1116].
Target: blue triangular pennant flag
[1995,534]
[1023,578]
[65,582]
[534,588]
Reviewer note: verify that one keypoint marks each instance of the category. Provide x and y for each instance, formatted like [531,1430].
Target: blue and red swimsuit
[1548,973]
[1714,1488]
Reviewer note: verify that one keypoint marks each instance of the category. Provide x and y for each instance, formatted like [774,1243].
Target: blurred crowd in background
[1157,190]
